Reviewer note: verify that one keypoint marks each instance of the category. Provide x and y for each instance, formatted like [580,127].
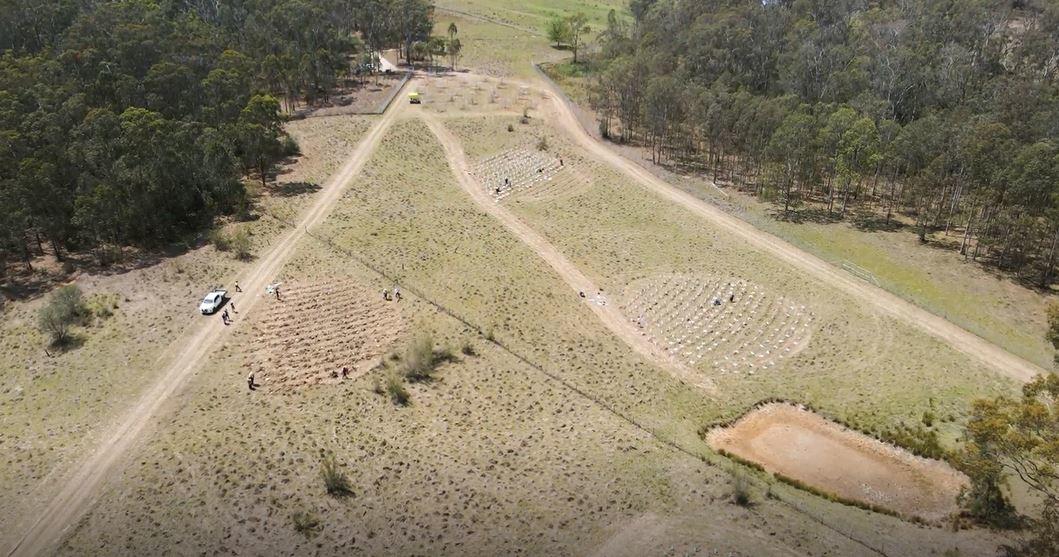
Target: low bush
[335,482]
[240,244]
[741,490]
[306,523]
[421,359]
[917,440]
[290,147]
[64,309]
[220,239]
[397,391]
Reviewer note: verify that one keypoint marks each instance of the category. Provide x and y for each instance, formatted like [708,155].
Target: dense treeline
[130,122]
[945,110]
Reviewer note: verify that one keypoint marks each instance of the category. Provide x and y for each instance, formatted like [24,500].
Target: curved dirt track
[959,338]
[75,493]
[610,315]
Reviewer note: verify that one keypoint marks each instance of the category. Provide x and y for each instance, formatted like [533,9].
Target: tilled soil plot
[788,440]
[316,329]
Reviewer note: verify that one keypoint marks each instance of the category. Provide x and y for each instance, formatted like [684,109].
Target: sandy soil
[802,445]
[316,329]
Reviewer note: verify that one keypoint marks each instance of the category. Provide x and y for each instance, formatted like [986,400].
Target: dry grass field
[858,363]
[150,305]
[539,431]
[528,454]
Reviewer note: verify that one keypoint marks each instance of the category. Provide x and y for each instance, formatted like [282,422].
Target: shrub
[468,349]
[918,440]
[542,144]
[220,239]
[398,393]
[417,363]
[240,244]
[102,307]
[420,360]
[108,255]
[306,523]
[511,127]
[740,490]
[290,147]
[335,481]
[64,309]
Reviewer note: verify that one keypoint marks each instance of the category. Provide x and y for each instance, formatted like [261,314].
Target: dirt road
[74,495]
[608,313]
[959,338]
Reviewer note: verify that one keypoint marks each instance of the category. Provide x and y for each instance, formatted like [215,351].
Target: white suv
[213,301]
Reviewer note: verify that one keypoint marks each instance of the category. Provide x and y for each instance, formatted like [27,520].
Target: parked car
[213,301]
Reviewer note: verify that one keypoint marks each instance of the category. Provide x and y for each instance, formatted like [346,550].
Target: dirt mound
[799,444]
[316,329]
[733,325]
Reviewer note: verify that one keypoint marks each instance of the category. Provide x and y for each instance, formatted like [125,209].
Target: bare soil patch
[799,444]
[367,97]
[316,329]
[732,325]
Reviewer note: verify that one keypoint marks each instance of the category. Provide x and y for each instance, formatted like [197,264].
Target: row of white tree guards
[733,325]
[516,170]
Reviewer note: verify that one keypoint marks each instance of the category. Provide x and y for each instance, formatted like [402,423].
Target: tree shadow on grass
[871,222]
[292,189]
[809,215]
[72,342]
[20,283]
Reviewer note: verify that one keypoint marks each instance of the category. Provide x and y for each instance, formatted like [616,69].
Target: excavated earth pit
[789,440]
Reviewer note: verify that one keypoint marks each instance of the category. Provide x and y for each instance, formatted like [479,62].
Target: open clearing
[562,431]
[493,457]
[799,444]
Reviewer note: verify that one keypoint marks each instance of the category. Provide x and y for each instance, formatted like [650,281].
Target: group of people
[225,316]
[717,301]
[395,296]
[251,377]
[507,181]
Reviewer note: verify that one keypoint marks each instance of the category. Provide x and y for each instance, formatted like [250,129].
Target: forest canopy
[945,111]
[131,122]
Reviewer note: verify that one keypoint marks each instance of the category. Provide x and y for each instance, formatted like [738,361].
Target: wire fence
[593,399]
